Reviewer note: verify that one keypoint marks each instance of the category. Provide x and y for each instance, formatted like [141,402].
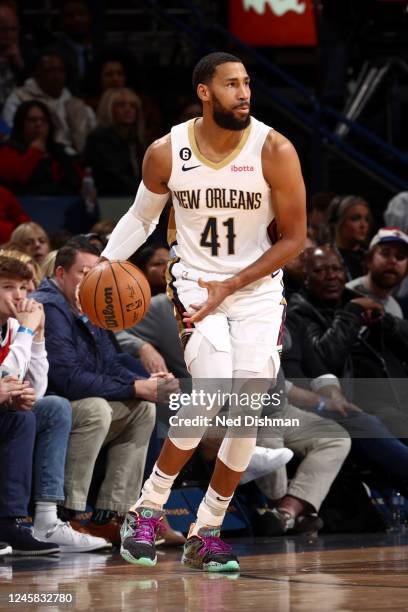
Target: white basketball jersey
[223,211]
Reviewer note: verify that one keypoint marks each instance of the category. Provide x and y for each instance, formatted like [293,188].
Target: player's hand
[217,292]
[151,359]
[26,399]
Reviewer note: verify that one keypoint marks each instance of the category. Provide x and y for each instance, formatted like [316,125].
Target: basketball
[114,295]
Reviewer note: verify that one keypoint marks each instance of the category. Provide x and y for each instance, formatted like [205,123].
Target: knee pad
[236,453]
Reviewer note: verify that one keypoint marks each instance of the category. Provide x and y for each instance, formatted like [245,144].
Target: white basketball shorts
[247,324]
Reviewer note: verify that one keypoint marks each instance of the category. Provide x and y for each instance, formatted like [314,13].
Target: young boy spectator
[22,355]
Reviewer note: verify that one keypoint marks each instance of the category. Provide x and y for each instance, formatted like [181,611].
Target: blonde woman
[115,148]
[32,239]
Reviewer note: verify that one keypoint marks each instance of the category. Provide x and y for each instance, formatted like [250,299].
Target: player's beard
[226,119]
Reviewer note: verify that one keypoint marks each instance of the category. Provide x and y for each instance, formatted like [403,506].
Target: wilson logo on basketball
[109,311]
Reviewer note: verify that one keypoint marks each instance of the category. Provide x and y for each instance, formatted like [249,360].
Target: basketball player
[239,205]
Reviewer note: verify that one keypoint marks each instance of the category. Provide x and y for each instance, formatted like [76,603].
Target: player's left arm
[281,168]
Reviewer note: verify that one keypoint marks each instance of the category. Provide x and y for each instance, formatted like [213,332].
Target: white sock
[156,489]
[45,515]
[211,511]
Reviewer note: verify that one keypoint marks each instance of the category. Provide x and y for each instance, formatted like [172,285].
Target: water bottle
[397,523]
[88,191]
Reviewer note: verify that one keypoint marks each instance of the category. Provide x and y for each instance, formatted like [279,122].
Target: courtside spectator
[112,406]
[387,264]
[31,264]
[155,340]
[17,436]
[31,238]
[351,336]
[23,356]
[32,162]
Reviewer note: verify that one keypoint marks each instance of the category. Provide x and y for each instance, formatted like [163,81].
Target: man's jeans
[54,418]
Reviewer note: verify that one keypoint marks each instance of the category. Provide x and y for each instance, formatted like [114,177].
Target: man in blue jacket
[112,403]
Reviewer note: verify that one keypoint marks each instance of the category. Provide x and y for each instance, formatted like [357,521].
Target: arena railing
[314,120]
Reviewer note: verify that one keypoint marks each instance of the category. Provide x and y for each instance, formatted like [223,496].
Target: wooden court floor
[330,573]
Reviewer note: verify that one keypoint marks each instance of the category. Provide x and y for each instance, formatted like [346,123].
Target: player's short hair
[14,268]
[205,69]
[67,254]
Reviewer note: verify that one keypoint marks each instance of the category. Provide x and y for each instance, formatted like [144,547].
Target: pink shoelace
[213,544]
[146,529]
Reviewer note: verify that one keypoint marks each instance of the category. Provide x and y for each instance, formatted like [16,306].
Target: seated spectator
[396,215]
[153,260]
[317,214]
[108,71]
[351,337]
[350,220]
[48,264]
[321,447]
[23,356]
[111,405]
[155,339]
[293,272]
[189,110]
[31,238]
[17,436]
[387,265]
[104,228]
[31,161]
[115,148]
[75,42]
[15,55]
[72,118]
[32,265]
[11,213]
[373,445]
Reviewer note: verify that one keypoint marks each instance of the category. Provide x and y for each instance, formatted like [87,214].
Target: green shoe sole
[231,566]
[142,561]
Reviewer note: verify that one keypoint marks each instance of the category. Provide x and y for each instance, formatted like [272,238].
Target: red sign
[279,23]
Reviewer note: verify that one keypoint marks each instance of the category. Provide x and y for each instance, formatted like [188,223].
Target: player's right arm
[140,220]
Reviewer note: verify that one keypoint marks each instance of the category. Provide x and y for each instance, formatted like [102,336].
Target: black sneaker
[308,524]
[206,551]
[138,534]
[5,549]
[22,541]
[274,522]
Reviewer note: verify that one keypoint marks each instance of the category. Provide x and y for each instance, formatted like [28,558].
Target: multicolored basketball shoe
[138,534]
[206,551]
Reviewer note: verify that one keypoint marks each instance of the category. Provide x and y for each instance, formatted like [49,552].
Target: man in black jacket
[351,337]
